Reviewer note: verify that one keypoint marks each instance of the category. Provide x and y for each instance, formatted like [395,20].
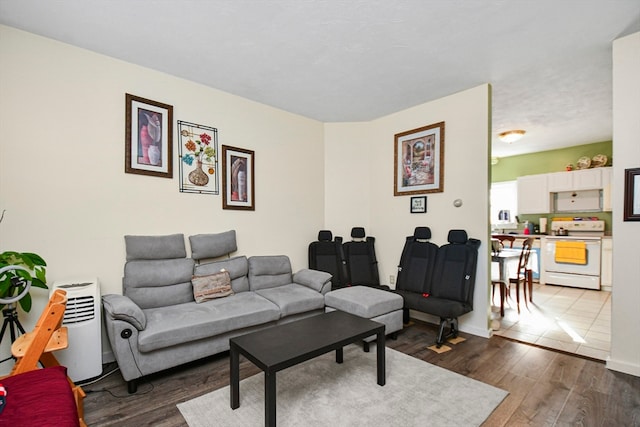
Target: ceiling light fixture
[511,136]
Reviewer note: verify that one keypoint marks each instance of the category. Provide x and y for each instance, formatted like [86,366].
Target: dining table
[502,257]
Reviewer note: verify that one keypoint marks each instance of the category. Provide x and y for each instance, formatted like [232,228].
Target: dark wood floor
[546,388]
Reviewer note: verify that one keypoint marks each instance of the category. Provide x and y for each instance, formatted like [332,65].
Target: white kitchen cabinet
[606,265]
[607,182]
[585,179]
[533,194]
[560,181]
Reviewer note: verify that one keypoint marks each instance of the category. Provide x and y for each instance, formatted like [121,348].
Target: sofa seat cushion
[174,325]
[293,298]
[364,301]
[433,305]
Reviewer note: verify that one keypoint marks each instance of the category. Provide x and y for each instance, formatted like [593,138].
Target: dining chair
[523,274]
[505,239]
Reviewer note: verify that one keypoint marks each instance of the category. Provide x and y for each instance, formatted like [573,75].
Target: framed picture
[148,137]
[419,204]
[632,194]
[419,161]
[238,185]
[198,158]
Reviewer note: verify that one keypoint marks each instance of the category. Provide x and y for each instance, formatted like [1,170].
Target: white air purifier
[82,317]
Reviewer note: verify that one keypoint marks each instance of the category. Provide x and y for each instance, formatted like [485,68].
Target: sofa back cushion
[205,246]
[238,268]
[155,247]
[158,283]
[269,271]
[156,273]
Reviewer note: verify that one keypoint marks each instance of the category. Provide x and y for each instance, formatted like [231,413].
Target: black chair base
[453,330]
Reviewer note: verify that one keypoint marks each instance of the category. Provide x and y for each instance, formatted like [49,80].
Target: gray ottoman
[375,304]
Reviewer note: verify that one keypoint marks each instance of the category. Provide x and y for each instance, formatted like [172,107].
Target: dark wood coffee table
[280,347]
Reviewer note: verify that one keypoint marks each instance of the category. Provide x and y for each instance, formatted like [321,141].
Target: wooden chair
[523,274]
[48,335]
[505,239]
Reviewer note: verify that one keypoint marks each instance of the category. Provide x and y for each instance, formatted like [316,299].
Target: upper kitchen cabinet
[607,179]
[585,179]
[533,194]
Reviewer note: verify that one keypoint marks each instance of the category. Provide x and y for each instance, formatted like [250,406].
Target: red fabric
[39,398]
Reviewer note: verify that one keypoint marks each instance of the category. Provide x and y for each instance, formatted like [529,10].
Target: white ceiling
[548,61]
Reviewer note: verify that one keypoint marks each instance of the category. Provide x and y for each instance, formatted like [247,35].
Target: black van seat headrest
[457,236]
[325,235]
[422,233]
[357,232]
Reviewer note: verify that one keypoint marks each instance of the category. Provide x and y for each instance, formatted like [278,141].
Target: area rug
[321,392]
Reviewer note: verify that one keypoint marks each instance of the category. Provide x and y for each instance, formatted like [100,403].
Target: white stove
[578,227]
[580,267]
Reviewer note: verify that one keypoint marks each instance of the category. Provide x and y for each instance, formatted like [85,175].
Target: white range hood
[578,201]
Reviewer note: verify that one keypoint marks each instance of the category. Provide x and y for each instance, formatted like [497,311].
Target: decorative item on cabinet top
[599,160]
[583,162]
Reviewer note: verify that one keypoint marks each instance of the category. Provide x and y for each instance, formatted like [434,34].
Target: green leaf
[41,274]
[25,303]
[34,258]
[39,284]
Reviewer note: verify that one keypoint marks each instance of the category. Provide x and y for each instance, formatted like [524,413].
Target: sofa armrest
[314,279]
[119,307]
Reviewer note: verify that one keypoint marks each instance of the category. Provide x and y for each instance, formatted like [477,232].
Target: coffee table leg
[270,399]
[339,355]
[234,385]
[380,347]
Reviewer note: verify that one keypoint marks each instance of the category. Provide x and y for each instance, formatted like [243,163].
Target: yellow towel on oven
[571,252]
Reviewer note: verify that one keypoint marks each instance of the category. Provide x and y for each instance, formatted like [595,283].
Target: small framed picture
[419,204]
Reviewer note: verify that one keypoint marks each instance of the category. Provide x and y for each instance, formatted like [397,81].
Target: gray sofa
[156,323]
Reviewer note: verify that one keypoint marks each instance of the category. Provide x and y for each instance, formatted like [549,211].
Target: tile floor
[568,319]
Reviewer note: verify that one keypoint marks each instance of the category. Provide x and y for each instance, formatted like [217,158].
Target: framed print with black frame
[632,194]
[198,158]
[419,204]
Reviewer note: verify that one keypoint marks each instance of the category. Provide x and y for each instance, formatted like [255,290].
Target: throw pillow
[211,286]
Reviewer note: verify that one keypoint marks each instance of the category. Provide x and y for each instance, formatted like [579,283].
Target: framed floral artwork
[238,184]
[198,158]
[148,137]
[419,161]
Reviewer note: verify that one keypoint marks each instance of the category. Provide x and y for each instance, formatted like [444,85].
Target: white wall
[625,319]
[66,195]
[361,158]
[62,180]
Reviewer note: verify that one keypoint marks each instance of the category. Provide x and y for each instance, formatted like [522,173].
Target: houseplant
[30,267]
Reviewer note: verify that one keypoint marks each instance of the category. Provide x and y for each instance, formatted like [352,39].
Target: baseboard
[624,367]
[470,329]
